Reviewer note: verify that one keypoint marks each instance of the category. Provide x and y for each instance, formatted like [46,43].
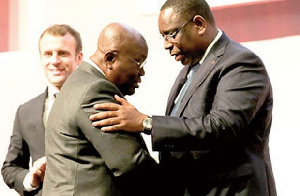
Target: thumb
[122,101]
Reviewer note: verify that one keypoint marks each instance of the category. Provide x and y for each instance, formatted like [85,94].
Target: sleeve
[220,111]
[16,164]
[125,154]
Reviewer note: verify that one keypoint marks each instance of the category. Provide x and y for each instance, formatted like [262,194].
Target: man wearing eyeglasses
[82,160]
[214,138]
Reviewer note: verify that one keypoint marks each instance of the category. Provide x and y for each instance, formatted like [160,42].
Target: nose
[142,72]
[168,45]
[55,59]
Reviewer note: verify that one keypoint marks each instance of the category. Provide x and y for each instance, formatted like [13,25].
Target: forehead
[54,42]
[168,20]
[137,48]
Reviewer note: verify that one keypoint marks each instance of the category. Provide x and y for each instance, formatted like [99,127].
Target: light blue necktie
[184,88]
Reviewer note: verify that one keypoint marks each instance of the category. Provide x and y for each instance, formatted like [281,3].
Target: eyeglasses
[139,64]
[172,36]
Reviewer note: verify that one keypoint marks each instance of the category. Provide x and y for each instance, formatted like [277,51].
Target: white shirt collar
[219,34]
[52,90]
[94,65]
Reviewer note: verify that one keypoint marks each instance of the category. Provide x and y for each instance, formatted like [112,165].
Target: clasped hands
[115,117]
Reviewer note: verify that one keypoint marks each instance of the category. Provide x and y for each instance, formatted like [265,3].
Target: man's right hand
[118,117]
[37,172]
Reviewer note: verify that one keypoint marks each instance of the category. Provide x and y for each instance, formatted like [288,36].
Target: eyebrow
[168,32]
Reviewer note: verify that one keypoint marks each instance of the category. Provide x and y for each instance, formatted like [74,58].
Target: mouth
[178,57]
[56,71]
[136,85]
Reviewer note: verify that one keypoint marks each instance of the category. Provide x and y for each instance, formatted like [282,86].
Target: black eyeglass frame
[172,36]
[139,64]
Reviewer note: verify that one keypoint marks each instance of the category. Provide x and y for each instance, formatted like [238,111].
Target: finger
[36,172]
[43,167]
[110,128]
[42,176]
[107,106]
[122,101]
[39,172]
[35,180]
[103,115]
[105,122]
[40,164]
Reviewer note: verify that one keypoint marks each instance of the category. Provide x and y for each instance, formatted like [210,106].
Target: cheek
[128,72]
[44,63]
[133,75]
[69,64]
[128,79]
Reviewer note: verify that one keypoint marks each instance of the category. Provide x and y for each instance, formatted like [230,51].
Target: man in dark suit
[81,160]
[60,52]
[214,139]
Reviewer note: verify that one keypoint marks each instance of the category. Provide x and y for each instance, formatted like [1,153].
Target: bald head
[117,36]
[121,50]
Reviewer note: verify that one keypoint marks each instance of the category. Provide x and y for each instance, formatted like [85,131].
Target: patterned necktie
[184,88]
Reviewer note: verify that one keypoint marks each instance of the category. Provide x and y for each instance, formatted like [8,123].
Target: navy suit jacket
[27,141]
[219,145]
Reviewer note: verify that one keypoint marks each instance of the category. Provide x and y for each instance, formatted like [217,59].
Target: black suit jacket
[27,141]
[219,145]
[82,159]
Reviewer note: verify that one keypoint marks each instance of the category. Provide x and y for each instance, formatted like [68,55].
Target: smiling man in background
[60,50]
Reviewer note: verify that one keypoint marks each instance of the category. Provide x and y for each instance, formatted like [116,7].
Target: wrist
[147,125]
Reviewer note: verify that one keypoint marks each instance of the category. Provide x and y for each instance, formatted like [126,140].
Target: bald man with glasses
[81,159]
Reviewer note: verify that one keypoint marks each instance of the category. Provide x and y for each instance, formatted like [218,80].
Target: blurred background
[270,28]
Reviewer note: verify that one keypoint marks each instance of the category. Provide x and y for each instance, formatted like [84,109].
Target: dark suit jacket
[27,140]
[219,146]
[83,160]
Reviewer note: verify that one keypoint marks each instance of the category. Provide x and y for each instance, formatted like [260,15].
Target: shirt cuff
[26,184]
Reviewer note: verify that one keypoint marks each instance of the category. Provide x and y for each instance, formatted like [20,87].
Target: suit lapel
[204,70]
[37,113]
[40,107]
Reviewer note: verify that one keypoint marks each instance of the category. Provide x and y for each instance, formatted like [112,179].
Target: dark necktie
[51,100]
[183,90]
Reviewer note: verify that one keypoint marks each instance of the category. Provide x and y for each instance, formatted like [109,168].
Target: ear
[109,59]
[79,58]
[200,22]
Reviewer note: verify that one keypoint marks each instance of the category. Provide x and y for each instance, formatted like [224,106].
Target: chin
[186,62]
[130,92]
